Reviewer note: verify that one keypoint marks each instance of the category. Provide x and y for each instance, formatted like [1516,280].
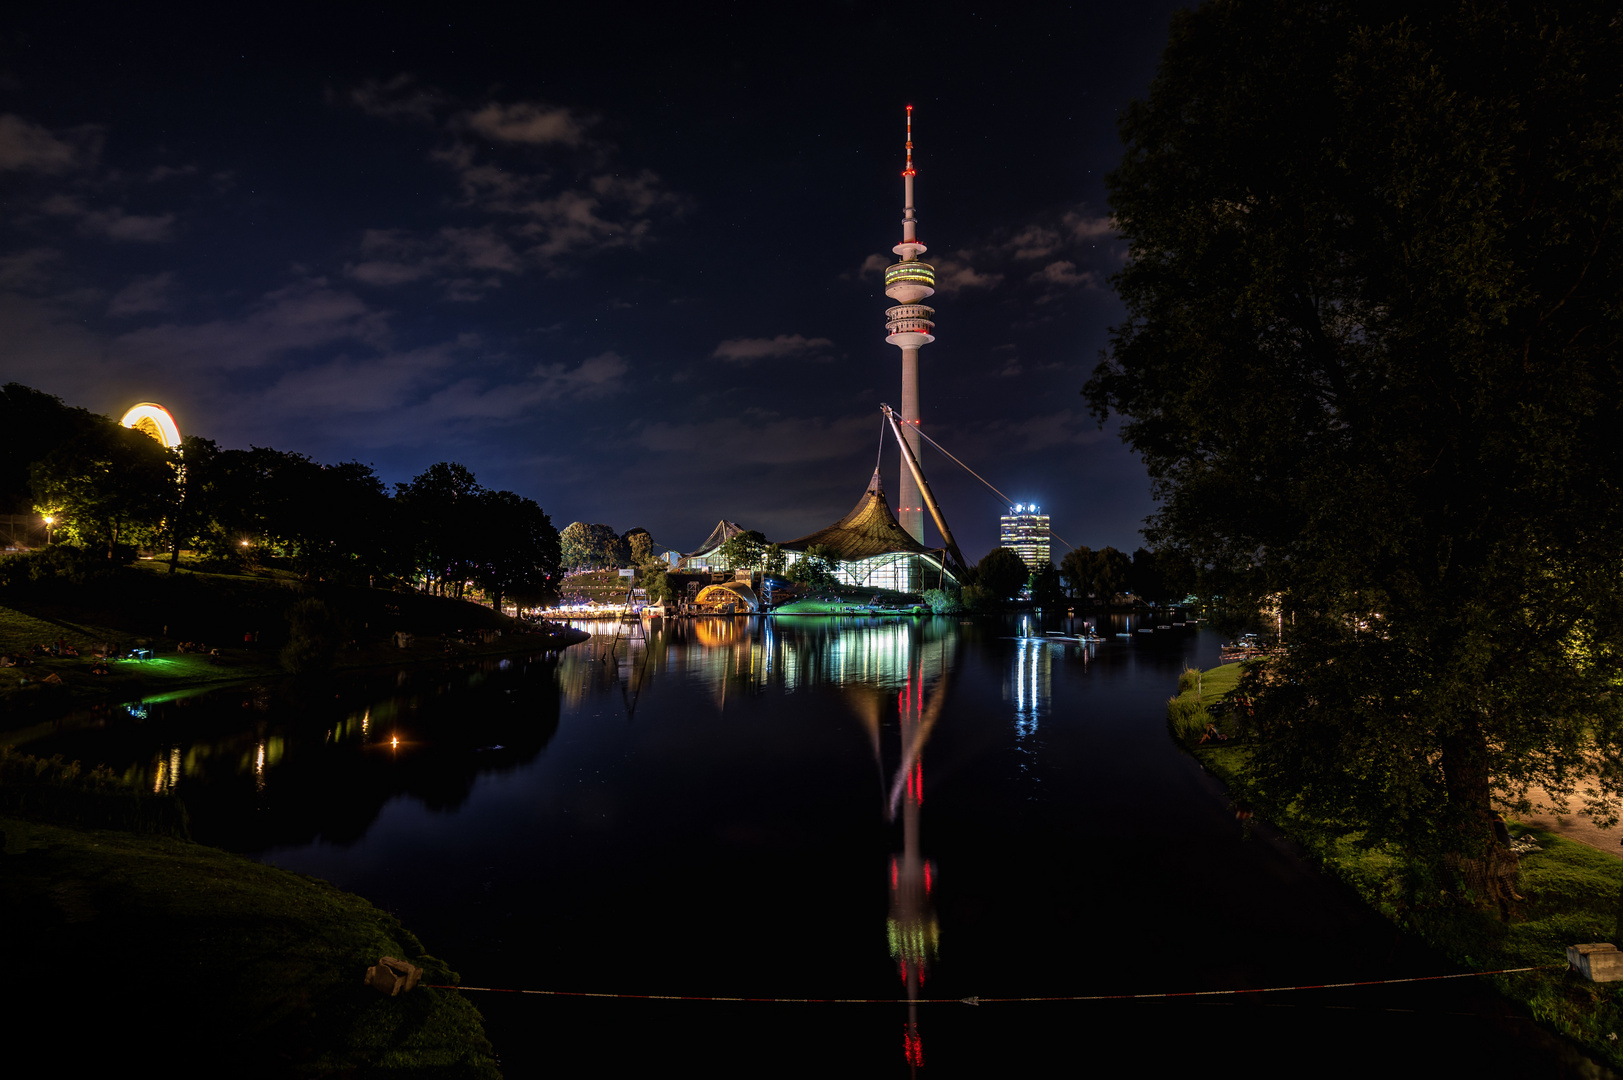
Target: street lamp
[50,523]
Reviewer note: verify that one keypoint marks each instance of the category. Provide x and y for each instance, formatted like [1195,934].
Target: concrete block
[1598,962]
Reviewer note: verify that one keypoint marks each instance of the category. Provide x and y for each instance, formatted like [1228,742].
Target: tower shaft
[910,325]
[910,512]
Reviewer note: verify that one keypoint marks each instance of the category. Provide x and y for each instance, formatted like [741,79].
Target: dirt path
[1574,826]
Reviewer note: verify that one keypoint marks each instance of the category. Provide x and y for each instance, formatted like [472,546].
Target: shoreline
[266,965]
[1571,889]
[177,673]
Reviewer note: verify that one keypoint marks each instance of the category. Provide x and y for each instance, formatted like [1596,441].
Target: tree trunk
[1489,870]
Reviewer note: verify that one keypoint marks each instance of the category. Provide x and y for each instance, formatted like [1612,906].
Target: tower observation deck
[909,326]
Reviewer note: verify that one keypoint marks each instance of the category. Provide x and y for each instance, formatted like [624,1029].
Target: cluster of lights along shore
[909,327]
[1025,532]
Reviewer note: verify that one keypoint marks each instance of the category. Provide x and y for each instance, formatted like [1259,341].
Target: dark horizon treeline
[115,490]
[1155,576]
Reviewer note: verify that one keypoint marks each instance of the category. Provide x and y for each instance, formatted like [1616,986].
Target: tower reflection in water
[913,929]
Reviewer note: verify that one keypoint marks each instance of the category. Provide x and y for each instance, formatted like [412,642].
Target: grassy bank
[1570,892]
[192,955]
[145,606]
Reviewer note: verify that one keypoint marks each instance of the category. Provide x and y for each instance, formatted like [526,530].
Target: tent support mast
[924,488]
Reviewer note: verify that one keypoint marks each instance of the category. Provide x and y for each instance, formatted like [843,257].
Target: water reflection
[877,665]
[913,929]
[260,766]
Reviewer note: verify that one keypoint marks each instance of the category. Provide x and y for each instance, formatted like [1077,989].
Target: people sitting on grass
[100,667]
[1211,734]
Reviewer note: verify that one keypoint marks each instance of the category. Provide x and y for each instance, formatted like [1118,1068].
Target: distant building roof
[724,531]
[869,529]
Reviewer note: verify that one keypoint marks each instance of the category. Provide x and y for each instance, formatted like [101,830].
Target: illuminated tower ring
[150,418]
[908,282]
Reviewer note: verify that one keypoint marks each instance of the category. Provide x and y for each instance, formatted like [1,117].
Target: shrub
[59,562]
[943,601]
[1186,718]
[314,634]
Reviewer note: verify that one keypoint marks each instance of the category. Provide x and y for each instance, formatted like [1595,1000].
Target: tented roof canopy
[869,529]
[724,531]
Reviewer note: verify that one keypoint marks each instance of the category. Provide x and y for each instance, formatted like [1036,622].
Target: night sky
[623,261]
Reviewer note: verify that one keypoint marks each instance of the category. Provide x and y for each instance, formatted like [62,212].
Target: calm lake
[820,808]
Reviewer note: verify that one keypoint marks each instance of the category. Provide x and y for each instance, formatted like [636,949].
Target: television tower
[908,282]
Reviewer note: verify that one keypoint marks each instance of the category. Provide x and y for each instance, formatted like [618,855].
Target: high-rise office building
[1025,532]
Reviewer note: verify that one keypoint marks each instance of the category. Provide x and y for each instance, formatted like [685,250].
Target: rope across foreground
[995,1000]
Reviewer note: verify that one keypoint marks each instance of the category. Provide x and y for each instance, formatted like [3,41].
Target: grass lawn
[137,947]
[1571,894]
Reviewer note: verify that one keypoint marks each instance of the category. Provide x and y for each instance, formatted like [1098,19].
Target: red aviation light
[909,170]
[893,872]
[928,877]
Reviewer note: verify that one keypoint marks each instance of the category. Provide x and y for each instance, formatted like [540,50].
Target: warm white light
[153,419]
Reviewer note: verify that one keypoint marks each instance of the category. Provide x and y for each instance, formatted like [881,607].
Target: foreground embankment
[1569,891]
[133,945]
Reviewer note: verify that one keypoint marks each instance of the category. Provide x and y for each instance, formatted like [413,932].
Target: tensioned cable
[985,481]
[996,1000]
[879,458]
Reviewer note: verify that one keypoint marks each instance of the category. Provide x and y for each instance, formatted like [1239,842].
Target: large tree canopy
[1371,362]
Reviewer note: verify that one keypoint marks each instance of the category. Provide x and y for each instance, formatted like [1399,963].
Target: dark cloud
[781,347]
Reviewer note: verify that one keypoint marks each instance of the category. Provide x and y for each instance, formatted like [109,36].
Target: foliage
[743,551]
[655,577]
[1096,575]
[981,601]
[774,560]
[1045,587]
[815,568]
[1001,573]
[584,546]
[36,424]
[59,562]
[944,601]
[1187,718]
[1370,363]
[112,488]
[313,638]
[109,485]
[438,509]
[1568,893]
[516,550]
[639,546]
[1160,576]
